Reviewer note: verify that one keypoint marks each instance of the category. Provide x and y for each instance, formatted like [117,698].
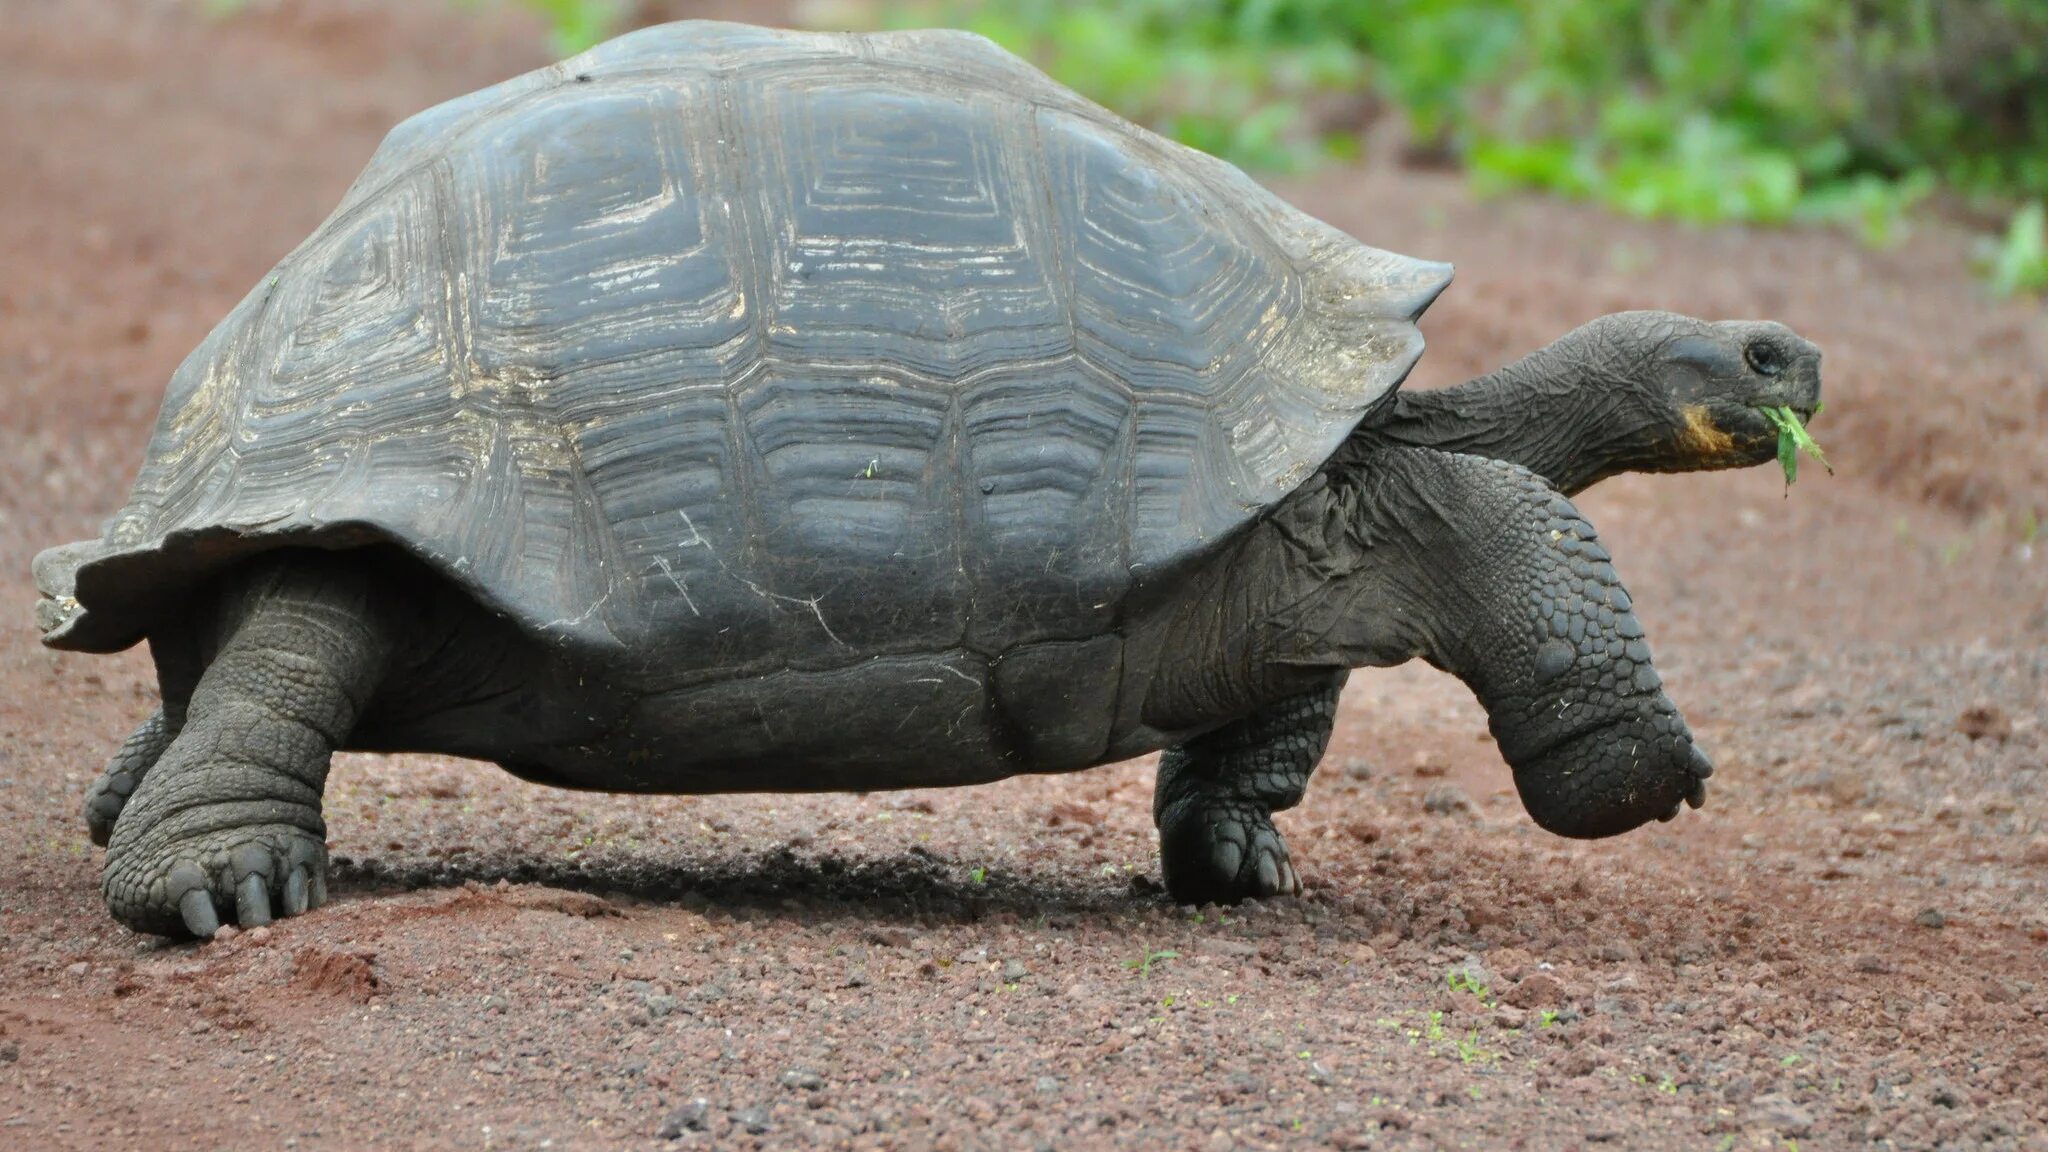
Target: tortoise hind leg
[1216,794]
[124,773]
[227,824]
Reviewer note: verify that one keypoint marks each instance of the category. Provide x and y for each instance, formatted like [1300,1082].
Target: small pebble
[754,1120]
[690,1117]
[1931,918]
[1014,970]
[802,1078]
[1445,800]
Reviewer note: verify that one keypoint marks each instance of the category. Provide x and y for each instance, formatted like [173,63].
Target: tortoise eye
[1765,358]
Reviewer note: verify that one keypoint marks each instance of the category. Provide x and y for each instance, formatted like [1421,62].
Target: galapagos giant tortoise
[728,409]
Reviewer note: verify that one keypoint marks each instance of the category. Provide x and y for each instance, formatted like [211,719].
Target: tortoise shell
[719,349]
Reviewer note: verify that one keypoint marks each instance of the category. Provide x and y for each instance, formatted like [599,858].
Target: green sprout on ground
[978,876]
[1461,980]
[1142,965]
[1546,1018]
[1792,440]
[1471,1051]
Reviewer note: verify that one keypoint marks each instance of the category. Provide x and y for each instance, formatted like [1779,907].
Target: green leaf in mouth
[1792,440]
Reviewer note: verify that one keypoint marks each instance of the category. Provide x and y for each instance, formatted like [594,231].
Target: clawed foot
[195,888]
[191,885]
[1217,850]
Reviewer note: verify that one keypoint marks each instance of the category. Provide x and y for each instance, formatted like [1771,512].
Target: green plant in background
[2019,262]
[575,25]
[1234,79]
[1767,111]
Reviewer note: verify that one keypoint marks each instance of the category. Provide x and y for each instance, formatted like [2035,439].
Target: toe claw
[196,907]
[1698,796]
[252,901]
[1229,858]
[1269,875]
[295,892]
[318,895]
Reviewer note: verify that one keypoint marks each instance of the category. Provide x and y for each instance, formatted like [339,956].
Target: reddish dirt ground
[1847,947]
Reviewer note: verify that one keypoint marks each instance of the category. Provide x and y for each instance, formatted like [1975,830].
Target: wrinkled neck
[1552,412]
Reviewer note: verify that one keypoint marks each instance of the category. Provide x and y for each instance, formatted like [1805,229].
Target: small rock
[1427,765]
[1046,1085]
[1780,1113]
[1357,769]
[1985,721]
[754,1120]
[1318,1073]
[1871,964]
[887,937]
[260,935]
[856,978]
[1510,1017]
[1446,800]
[1536,990]
[80,969]
[708,992]
[1931,918]
[659,1005]
[225,933]
[691,1117]
[10,1051]
[1014,970]
[802,1078]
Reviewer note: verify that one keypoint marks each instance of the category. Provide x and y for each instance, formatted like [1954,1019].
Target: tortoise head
[1702,385]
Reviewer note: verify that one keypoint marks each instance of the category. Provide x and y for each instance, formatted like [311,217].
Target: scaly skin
[226,825]
[125,772]
[1628,392]
[1215,797]
[1479,567]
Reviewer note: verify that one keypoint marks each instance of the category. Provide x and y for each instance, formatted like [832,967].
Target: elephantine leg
[226,826]
[1486,571]
[124,773]
[1215,797]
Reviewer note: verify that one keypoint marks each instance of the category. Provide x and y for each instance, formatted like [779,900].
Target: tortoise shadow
[913,886]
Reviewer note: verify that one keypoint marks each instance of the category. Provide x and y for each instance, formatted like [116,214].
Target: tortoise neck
[1544,412]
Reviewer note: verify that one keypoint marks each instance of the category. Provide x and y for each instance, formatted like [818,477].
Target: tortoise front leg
[1216,794]
[227,824]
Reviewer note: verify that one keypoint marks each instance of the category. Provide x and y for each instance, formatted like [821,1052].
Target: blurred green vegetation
[1764,111]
